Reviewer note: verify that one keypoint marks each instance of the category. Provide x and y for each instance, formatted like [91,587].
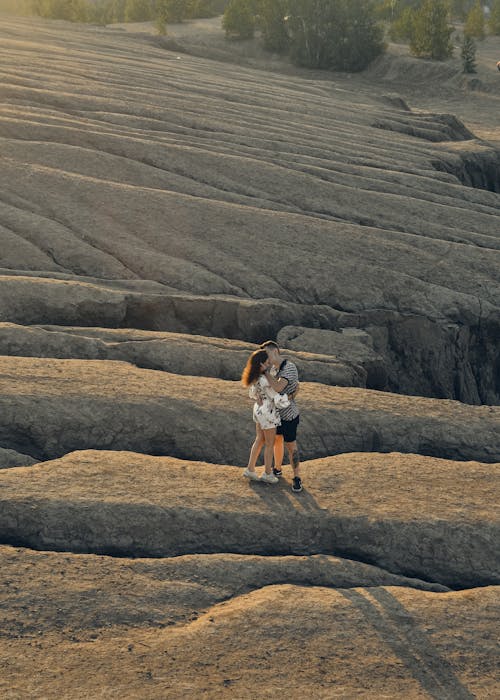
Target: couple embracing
[273,383]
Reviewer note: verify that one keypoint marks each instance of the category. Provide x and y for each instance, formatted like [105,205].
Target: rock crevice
[479,169]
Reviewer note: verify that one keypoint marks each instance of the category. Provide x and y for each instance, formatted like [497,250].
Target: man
[285,380]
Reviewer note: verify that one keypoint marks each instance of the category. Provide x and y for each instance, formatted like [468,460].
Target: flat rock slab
[171,352]
[49,407]
[42,592]
[377,642]
[412,515]
[73,300]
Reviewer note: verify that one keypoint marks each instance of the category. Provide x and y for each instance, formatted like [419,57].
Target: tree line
[110,11]
[404,17]
[333,34]
[348,34]
[426,26]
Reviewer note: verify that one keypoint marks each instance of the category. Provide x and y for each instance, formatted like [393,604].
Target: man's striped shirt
[288,371]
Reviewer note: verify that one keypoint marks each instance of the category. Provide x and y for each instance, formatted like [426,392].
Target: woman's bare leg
[256,447]
[279,451]
[269,436]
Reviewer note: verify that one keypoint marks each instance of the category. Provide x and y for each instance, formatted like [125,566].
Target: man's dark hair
[269,344]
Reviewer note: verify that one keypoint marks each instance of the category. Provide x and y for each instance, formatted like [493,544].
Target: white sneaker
[253,476]
[269,478]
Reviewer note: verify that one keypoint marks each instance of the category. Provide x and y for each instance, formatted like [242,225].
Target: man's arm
[291,376]
[292,396]
[278,384]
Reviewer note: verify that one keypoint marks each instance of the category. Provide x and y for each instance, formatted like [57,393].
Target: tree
[390,10]
[385,9]
[78,10]
[474,24]
[468,54]
[494,20]
[431,33]
[239,19]
[118,8]
[100,12]
[161,17]
[460,8]
[177,10]
[402,28]
[360,37]
[336,34]
[208,8]
[311,25]
[272,24]
[138,11]
[72,10]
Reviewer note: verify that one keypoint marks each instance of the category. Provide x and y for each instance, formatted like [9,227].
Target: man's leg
[293,452]
[279,452]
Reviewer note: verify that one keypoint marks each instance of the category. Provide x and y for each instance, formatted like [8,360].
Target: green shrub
[272,24]
[494,20]
[460,8]
[468,54]
[431,31]
[401,29]
[474,24]
[360,39]
[334,34]
[72,10]
[161,17]
[139,11]
[239,19]
[100,13]
[385,9]
[208,8]
[176,10]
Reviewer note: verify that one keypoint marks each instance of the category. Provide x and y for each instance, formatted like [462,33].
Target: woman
[265,415]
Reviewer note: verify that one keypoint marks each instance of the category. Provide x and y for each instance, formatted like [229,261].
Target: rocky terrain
[166,204]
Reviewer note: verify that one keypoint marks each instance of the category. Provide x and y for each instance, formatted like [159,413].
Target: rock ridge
[158,507]
[50,407]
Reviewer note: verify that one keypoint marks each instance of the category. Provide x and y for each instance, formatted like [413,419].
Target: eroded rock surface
[170,352]
[135,505]
[49,407]
[348,344]
[252,201]
[361,642]
[150,198]
[42,590]
[11,458]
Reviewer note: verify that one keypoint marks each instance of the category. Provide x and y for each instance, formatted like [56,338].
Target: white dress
[266,414]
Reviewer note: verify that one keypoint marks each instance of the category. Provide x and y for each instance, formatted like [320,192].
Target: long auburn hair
[252,369]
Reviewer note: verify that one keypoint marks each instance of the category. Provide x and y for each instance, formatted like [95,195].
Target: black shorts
[288,429]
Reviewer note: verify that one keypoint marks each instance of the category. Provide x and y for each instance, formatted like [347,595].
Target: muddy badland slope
[160,213]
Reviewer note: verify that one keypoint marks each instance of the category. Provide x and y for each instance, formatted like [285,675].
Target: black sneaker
[277,472]
[297,484]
